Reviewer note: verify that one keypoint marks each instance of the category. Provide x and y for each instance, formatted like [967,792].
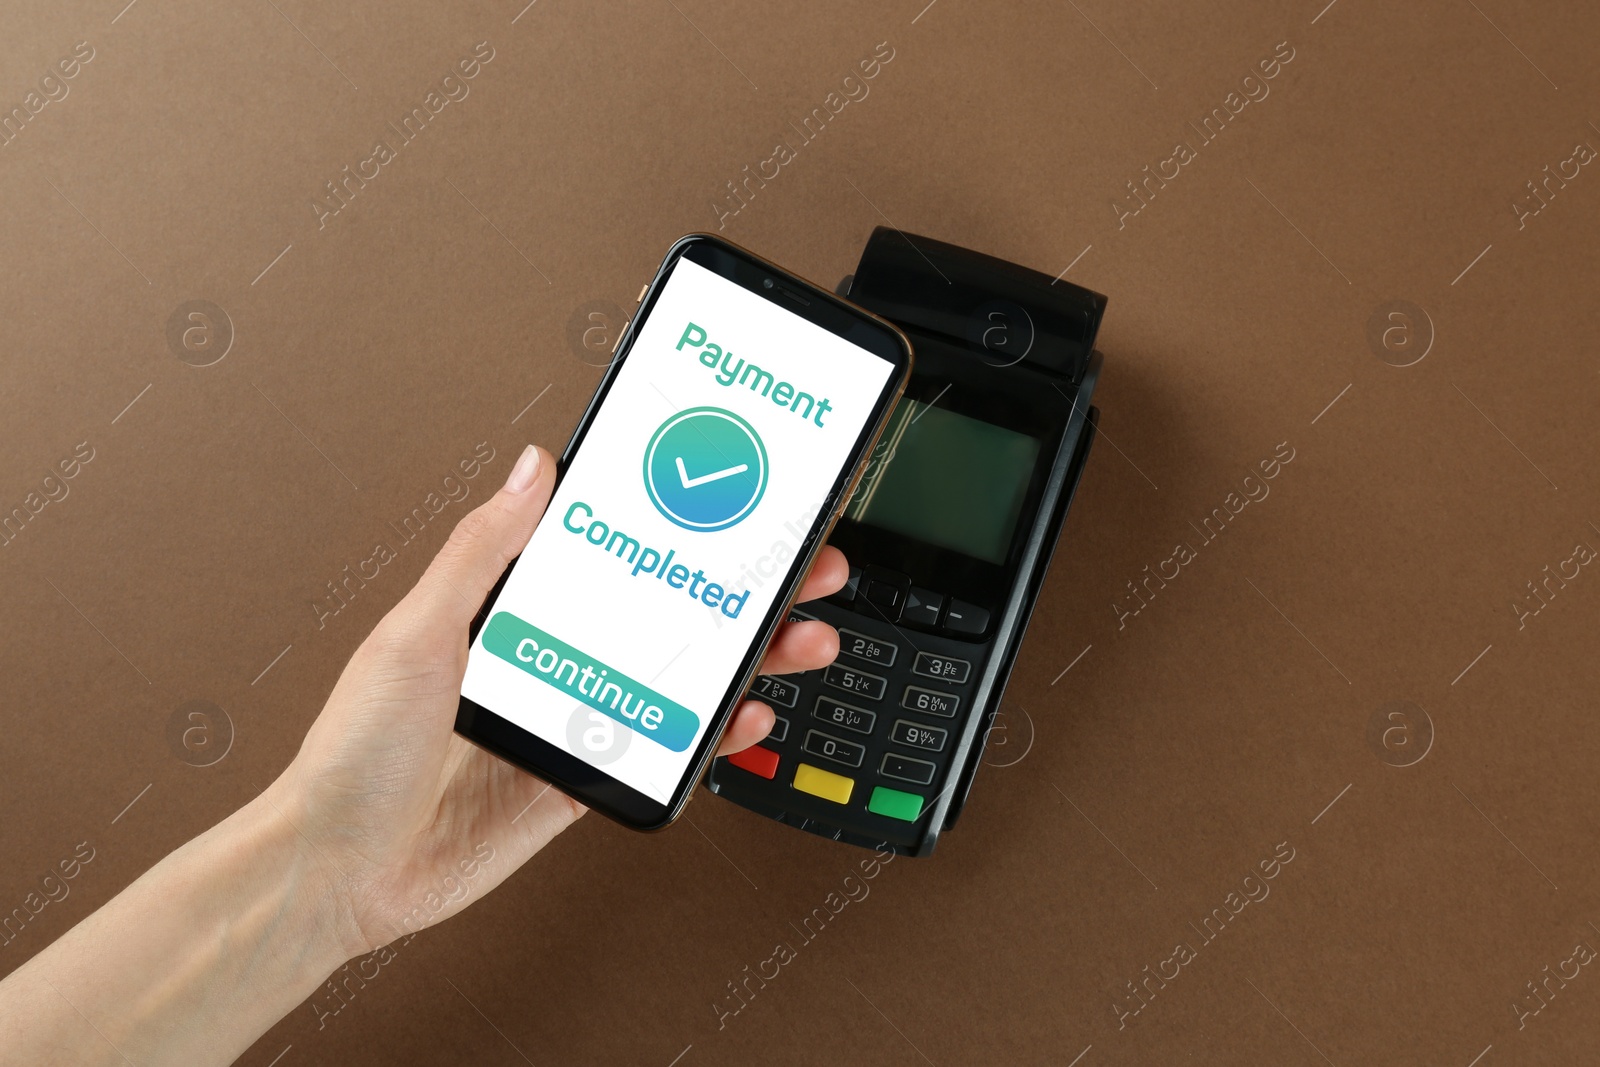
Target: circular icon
[1009,738]
[1400,333]
[1002,332]
[199,733]
[593,329]
[199,333]
[705,469]
[1400,733]
[596,737]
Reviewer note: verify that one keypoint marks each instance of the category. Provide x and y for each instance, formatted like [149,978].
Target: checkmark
[690,483]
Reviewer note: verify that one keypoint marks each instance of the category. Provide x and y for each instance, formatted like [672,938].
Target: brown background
[1179,749]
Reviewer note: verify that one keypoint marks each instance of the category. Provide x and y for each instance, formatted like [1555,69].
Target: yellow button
[824,784]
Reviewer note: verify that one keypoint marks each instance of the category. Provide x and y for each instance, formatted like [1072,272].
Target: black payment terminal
[948,534]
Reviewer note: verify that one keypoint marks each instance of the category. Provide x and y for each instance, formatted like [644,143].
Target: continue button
[610,692]
[824,784]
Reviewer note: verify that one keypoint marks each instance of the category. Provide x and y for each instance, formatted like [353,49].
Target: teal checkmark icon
[705,469]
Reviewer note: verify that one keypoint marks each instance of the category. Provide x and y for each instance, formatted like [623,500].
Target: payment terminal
[948,535]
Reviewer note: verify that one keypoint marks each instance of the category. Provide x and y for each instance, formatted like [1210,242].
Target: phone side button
[756,760]
[824,784]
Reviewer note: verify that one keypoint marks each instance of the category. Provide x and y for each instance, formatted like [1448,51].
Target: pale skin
[213,945]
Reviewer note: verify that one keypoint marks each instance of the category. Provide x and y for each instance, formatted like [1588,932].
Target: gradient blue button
[585,679]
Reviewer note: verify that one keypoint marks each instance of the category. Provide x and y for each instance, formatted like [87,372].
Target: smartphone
[736,416]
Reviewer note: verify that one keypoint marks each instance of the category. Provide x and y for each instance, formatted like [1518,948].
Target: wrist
[277,826]
[196,959]
[272,911]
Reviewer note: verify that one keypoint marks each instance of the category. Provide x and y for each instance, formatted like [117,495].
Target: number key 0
[835,748]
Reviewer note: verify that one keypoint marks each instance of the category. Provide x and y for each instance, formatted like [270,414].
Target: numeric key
[834,713]
[916,735]
[945,668]
[929,701]
[870,649]
[853,681]
[776,691]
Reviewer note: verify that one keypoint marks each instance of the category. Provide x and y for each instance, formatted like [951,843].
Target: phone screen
[675,527]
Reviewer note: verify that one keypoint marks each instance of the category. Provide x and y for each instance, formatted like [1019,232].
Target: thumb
[483,543]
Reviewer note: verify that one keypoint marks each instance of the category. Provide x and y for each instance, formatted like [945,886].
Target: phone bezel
[588,784]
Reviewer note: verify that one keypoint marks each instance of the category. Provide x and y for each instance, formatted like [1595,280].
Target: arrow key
[922,607]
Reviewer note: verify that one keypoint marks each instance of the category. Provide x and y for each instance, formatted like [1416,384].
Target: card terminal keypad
[878,722]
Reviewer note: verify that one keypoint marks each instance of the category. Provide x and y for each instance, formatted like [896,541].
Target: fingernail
[526,470]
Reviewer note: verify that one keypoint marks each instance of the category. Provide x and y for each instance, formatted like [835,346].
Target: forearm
[189,964]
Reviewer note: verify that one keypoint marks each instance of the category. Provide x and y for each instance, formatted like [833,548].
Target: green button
[895,804]
[610,692]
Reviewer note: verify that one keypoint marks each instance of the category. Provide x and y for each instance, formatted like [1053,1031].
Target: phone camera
[767,284]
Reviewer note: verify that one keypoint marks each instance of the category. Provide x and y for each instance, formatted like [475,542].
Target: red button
[756,760]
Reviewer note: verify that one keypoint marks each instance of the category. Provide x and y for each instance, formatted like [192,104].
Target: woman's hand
[369,834]
[390,801]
